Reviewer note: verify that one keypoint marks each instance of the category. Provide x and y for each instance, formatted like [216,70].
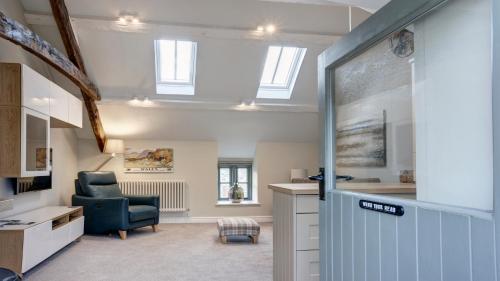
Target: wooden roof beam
[33,43]
[62,19]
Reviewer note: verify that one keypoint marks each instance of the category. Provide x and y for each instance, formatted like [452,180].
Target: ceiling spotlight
[270,28]
[126,19]
[260,28]
[122,20]
[252,103]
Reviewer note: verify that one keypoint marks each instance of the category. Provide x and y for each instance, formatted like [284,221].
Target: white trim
[272,91]
[228,203]
[24,113]
[261,219]
[211,105]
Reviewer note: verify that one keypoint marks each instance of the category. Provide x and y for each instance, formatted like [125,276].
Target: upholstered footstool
[238,227]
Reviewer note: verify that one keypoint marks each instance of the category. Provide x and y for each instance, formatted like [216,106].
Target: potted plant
[236,193]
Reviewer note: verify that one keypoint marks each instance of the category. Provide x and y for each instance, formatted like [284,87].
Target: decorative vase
[236,193]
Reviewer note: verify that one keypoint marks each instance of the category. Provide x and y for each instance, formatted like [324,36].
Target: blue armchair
[107,210]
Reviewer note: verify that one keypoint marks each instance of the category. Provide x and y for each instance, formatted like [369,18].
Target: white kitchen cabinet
[59,99]
[65,109]
[30,105]
[75,111]
[35,90]
[295,232]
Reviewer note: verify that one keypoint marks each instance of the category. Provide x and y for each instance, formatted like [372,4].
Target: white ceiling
[230,60]
[230,56]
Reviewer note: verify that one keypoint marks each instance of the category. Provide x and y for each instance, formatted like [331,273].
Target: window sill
[242,204]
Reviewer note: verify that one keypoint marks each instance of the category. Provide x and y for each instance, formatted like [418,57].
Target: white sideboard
[24,246]
[295,232]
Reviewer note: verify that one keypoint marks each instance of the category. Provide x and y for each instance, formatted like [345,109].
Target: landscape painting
[362,143]
[159,160]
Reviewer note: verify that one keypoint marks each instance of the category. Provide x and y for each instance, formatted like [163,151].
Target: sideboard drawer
[76,228]
[36,248]
[307,204]
[307,232]
[307,265]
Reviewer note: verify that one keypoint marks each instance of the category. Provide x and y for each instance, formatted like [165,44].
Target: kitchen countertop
[295,188]
[372,188]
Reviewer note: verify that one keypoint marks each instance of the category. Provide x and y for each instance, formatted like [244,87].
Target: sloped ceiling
[120,60]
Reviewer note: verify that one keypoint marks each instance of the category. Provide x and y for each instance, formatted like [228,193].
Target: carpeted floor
[178,252]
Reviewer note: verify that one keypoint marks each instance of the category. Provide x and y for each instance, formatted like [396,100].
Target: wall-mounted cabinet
[30,105]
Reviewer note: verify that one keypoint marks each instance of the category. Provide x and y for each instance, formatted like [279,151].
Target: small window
[175,67]
[280,72]
[231,173]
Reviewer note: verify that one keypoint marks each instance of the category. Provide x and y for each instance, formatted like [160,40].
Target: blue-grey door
[431,241]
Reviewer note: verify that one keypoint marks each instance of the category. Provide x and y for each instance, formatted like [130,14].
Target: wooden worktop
[295,188]
[378,188]
[372,188]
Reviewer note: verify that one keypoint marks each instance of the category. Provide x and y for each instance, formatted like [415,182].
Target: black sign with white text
[382,207]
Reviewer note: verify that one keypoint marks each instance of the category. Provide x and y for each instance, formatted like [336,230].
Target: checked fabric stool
[238,227]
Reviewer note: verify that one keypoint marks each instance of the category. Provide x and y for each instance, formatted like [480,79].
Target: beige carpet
[178,252]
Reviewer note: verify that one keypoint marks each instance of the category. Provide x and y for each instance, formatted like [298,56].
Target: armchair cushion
[99,184]
[151,200]
[142,212]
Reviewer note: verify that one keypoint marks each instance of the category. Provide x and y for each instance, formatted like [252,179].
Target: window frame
[233,168]
[273,91]
[177,87]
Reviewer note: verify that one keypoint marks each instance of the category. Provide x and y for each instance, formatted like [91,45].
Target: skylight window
[175,67]
[280,72]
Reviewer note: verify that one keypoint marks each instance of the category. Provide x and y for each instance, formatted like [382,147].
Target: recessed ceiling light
[260,28]
[126,19]
[270,28]
[122,20]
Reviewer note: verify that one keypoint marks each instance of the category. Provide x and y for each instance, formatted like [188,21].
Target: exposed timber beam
[33,43]
[61,17]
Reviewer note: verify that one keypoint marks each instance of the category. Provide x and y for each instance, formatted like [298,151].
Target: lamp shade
[298,174]
[114,146]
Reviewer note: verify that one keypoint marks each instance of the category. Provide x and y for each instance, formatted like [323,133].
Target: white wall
[64,141]
[275,160]
[453,105]
[236,132]
[196,163]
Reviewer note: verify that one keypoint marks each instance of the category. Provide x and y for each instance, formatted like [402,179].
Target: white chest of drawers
[295,232]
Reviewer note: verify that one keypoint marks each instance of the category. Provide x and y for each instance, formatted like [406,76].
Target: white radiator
[173,194]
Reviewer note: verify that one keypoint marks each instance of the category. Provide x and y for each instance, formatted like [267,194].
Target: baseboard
[209,219]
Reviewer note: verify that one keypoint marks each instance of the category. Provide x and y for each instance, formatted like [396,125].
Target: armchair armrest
[144,200]
[103,214]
